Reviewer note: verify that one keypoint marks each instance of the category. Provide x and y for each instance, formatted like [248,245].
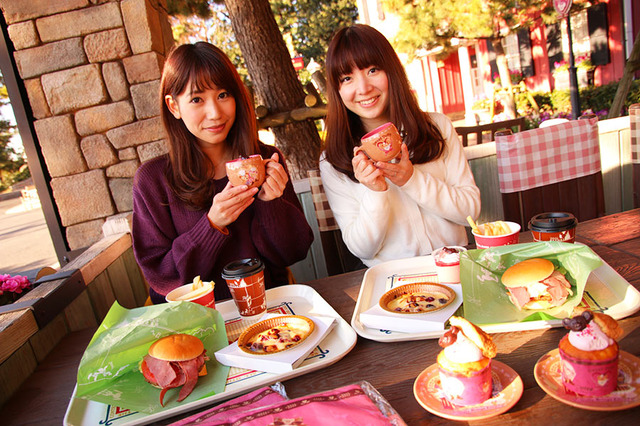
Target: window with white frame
[579,35]
[512,51]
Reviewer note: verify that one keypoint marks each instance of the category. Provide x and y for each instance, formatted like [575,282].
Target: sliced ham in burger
[536,284]
[174,361]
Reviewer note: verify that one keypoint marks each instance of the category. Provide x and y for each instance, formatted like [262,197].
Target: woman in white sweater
[390,210]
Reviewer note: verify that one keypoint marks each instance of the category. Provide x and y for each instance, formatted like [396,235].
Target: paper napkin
[280,362]
[376,317]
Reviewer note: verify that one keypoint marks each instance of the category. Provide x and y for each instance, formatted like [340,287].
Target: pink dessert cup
[589,377]
[448,265]
[462,390]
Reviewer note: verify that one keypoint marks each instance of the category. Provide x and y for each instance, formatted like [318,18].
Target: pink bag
[348,405]
[257,399]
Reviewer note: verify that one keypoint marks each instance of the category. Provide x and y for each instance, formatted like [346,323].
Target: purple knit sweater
[173,243]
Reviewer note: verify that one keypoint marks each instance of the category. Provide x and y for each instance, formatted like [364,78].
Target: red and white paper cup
[207,299]
[486,241]
[554,226]
[245,279]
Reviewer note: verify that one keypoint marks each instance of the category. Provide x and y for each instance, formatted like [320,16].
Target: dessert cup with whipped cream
[589,353]
[447,261]
[464,364]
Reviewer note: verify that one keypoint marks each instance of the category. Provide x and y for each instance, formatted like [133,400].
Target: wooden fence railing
[487,132]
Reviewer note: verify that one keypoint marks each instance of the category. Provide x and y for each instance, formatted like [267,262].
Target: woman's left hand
[275,182]
[398,173]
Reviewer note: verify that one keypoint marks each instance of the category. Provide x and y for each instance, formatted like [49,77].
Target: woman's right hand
[229,203]
[368,174]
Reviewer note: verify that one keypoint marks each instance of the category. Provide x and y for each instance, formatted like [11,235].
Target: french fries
[197,283]
[493,229]
[198,288]
[473,225]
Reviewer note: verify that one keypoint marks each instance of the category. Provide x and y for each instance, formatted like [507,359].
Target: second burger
[536,284]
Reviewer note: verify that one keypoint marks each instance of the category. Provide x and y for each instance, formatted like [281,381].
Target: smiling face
[365,92]
[208,113]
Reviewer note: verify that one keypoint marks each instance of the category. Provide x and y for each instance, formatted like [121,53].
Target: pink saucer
[627,395]
[507,390]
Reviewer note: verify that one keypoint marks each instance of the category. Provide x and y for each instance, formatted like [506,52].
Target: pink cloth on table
[219,414]
[548,155]
[348,405]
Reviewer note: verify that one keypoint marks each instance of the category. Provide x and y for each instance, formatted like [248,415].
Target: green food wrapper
[109,370]
[485,297]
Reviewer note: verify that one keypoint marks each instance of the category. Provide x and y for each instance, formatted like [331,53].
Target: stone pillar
[92,70]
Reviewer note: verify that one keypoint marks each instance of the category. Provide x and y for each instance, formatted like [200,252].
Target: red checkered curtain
[634,124]
[545,156]
[324,215]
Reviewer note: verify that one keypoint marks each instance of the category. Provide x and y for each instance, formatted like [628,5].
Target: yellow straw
[474,227]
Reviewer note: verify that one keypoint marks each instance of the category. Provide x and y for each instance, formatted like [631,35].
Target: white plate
[293,299]
[605,290]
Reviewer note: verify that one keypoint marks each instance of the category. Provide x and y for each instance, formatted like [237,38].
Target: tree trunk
[507,99]
[275,81]
[632,65]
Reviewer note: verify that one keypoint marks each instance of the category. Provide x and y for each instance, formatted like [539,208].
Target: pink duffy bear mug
[382,143]
[247,171]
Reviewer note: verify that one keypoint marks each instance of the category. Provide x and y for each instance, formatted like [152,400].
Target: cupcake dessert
[589,353]
[464,364]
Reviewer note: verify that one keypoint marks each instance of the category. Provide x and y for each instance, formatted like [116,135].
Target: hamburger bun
[526,272]
[176,347]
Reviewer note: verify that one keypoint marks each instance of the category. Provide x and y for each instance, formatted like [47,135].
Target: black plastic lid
[242,268]
[552,222]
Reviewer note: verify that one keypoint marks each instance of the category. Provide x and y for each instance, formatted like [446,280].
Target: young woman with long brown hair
[188,220]
[390,210]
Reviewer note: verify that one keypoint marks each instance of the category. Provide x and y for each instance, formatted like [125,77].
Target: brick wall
[92,70]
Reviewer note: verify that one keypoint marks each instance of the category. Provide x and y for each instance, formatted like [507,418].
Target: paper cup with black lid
[554,226]
[245,279]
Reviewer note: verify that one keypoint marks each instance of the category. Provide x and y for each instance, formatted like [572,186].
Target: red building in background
[604,33]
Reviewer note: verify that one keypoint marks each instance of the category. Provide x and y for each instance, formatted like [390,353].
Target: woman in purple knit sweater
[188,220]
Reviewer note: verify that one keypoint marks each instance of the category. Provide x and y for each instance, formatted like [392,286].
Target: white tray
[290,299]
[605,288]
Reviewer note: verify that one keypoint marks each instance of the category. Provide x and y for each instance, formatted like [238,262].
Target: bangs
[207,77]
[204,71]
[354,51]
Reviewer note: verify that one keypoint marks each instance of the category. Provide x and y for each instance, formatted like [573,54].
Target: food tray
[605,289]
[294,299]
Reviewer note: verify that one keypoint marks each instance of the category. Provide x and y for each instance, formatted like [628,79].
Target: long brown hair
[198,67]
[363,46]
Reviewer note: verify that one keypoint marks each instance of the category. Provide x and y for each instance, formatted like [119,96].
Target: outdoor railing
[487,132]
[75,298]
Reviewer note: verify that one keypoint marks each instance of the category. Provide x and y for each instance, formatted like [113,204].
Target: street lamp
[563,7]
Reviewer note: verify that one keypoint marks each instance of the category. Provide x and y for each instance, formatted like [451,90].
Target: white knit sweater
[427,212]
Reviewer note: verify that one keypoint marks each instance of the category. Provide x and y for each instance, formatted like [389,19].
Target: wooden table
[393,367]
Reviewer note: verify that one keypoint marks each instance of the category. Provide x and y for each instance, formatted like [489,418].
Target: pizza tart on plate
[276,334]
[417,298]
